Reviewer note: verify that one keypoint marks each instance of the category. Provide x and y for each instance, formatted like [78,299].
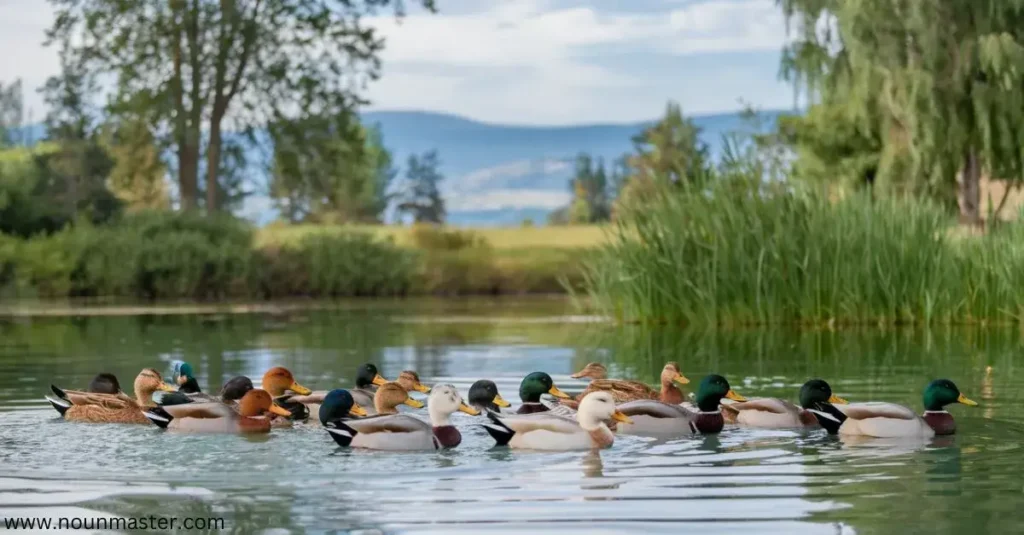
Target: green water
[741,481]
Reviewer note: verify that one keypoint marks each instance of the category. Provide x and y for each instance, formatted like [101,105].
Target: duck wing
[547,421]
[118,401]
[621,389]
[772,405]
[876,409]
[213,409]
[388,423]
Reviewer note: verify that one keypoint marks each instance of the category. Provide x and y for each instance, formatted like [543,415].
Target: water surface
[743,480]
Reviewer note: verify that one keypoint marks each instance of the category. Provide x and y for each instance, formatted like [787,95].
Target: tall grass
[741,253]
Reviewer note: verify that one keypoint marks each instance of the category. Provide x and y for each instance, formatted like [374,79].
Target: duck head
[257,402]
[445,400]
[537,384]
[593,370]
[410,381]
[817,391]
[389,396]
[235,388]
[595,408]
[338,404]
[484,394]
[278,380]
[670,374]
[104,383]
[942,392]
[367,375]
[711,391]
[147,382]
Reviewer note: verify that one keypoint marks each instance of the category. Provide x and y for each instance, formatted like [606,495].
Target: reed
[737,252]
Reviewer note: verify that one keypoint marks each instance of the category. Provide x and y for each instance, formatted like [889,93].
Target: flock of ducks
[367,415]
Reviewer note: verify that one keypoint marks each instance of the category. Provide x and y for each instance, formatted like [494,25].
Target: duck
[92,407]
[181,372]
[775,413]
[891,420]
[484,396]
[104,383]
[410,381]
[216,417]
[301,402]
[551,431]
[650,417]
[367,379]
[389,396]
[532,388]
[624,390]
[402,432]
[338,404]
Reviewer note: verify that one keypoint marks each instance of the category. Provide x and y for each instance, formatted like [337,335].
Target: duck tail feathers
[828,417]
[341,432]
[159,417]
[60,404]
[500,432]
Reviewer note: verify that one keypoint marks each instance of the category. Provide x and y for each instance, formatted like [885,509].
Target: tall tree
[199,67]
[422,196]
[938,81]
[670,150]
[589,185]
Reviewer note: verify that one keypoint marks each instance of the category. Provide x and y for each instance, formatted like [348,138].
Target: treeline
[669,150]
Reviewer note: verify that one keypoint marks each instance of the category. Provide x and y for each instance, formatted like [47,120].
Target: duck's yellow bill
[357,410]
[299,389]
[681,379]
[378,380]
[468,410]
[276,409]
[421,388]
[734,396]
[554,391]
[836,399]
[413,403]
[166,387]
[618,416]
[500,401]
[969,402]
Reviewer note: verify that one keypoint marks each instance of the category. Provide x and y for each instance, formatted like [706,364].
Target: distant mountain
[499,174]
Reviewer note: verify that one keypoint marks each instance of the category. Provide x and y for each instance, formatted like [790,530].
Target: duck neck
[438,416]
[670,393]
[588,422]
[144,397]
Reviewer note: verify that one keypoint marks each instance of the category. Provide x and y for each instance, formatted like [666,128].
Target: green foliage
[421,197]
[589,186]
[742,253]
[138,176]
[189,66]
[330,169]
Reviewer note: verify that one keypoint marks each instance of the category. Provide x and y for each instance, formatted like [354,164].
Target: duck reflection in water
[593,469]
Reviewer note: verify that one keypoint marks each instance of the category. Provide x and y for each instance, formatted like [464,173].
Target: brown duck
[254,413]
[624,390]
[78,406]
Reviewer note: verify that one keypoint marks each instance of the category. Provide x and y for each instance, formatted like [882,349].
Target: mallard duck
[532,388]
[230,393]
[303,401]
[890,420]
[216,417]
[401,432]
[367,379]
[181,373]
[410,381]
[91,407]
[778,413]
[657,418]
[624,390]
[389,396]
[338,404]
[557,432]
[484,396]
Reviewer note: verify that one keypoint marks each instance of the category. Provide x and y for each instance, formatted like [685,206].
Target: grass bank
[739,254]
[171,256]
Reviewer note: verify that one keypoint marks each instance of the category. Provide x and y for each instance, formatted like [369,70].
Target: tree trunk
[213,165]
[970,190]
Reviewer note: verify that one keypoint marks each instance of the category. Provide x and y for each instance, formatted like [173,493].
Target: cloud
[502,199]
[481,178]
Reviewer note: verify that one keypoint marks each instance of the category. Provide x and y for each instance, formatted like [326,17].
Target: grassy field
[564,237]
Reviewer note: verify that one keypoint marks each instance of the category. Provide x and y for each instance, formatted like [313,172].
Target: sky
[537,62]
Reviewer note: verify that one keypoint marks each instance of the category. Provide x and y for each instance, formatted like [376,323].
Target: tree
[589,185]
[670,150]
[938,81]
[11,111]
[203,66]
[138,177]
[330,169]
[422,197]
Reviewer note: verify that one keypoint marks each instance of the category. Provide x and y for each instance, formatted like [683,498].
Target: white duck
[402,432]
[557,432]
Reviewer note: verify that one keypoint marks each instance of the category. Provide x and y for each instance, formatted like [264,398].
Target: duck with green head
[368,379]
[181,372]
[775,413]
[484,396]
[532,388]
[656,418]
[888,420]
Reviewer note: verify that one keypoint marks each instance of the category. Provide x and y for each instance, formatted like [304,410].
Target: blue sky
[533,61]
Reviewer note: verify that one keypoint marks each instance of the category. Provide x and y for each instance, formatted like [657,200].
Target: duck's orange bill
[618,416]
[554,391]
[357,410]
[421,388]
[166,387]
[969,402]
[734,396]
[500,401]
[281,411]
[468,410]
[681,379]
[299,389]
[836,399]
[378,380]
[413,403]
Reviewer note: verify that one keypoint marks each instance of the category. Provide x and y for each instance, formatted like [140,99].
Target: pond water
[298,480]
